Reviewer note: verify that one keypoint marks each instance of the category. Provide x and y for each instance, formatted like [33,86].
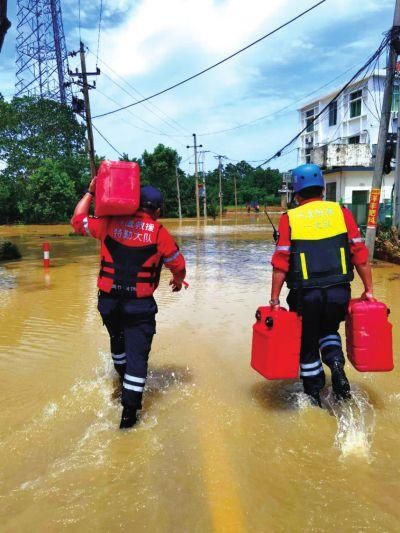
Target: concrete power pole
[178,192]
[220,157]
[83,82]
[235,190]
[382,138]
[196,175]
[203,173]
[396,199]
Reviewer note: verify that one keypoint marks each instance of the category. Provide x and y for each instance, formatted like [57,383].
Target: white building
[343,141]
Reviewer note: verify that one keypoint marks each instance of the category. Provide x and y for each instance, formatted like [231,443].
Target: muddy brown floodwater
[218,448]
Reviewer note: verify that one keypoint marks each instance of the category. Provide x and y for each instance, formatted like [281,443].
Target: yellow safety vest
[319,252]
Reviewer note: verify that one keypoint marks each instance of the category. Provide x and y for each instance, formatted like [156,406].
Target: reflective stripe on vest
[320,254]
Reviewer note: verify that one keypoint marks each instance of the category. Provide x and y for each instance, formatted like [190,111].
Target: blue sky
[151,44]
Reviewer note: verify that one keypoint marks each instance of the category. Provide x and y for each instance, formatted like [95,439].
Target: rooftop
[377,72]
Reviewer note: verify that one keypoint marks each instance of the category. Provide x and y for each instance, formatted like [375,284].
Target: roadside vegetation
[9,251]
[44,169]
[387,246]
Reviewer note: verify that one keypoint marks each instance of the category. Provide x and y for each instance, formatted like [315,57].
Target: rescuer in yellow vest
[319,244]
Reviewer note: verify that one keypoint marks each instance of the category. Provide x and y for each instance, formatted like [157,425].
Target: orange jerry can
[369,336]
[275,351]
[117,188]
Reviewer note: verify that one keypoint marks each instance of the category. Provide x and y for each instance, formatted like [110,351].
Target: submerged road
[218,448]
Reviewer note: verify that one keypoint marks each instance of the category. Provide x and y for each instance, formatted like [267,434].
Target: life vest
[129,257]
[319,252]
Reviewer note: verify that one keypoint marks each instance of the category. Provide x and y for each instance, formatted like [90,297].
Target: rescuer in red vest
[319,244]
[133,250]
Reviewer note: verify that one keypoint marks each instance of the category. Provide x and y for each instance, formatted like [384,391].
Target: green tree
[159,169]
[33,130]
[49,195]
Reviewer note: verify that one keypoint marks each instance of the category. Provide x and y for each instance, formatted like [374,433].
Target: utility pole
[202,153]
[5,24]
[396,199]
[234,184]
[204,190]
[178,192]
[195,146]
[220,157]
[83,82]
[382,137]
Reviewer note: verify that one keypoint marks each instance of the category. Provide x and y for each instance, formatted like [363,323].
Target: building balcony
[341,155]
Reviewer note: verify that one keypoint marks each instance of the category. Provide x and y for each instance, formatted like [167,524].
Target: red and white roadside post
[46,254]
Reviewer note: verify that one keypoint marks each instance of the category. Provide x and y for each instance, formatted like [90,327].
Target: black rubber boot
[340,383]
[128,418]
[314,398]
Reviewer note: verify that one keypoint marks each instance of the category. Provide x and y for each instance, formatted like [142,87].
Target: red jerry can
[117,188]
[275,351]
[369,336]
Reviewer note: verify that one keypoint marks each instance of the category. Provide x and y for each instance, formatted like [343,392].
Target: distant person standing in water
[133,250]
[319,244]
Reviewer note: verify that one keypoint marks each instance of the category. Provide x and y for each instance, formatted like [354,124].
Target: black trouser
[322,311]
[131,325]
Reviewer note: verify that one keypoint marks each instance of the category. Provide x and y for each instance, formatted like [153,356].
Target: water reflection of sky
[228,256]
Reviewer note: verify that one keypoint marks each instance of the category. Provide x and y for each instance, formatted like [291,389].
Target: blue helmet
[151,197]
[307,176]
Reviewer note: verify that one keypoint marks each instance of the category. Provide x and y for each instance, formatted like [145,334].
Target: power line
[98,37]
[152,132]
[215,64]
[107,141]
[269,115]
[129,111]
[169,119]
[371,60]
[79,19]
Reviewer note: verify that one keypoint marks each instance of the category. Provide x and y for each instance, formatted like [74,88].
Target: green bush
[8,251]
[49,195]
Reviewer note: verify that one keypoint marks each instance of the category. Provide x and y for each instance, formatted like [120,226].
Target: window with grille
[333,113]
[330,191]
[309,120]
[355,103]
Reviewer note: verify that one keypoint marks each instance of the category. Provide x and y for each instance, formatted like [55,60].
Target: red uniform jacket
[281,256]
[133,251]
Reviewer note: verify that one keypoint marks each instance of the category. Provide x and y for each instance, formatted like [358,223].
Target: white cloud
[159,42]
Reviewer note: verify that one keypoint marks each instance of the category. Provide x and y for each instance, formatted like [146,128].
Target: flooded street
[218,448]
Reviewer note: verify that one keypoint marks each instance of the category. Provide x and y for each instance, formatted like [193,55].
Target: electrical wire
[215,64]
[343,105]
[269,115]
[107,141]
[386,40]
[129,111]
[147,105]
[98,37]
[152,132]
[79,19]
